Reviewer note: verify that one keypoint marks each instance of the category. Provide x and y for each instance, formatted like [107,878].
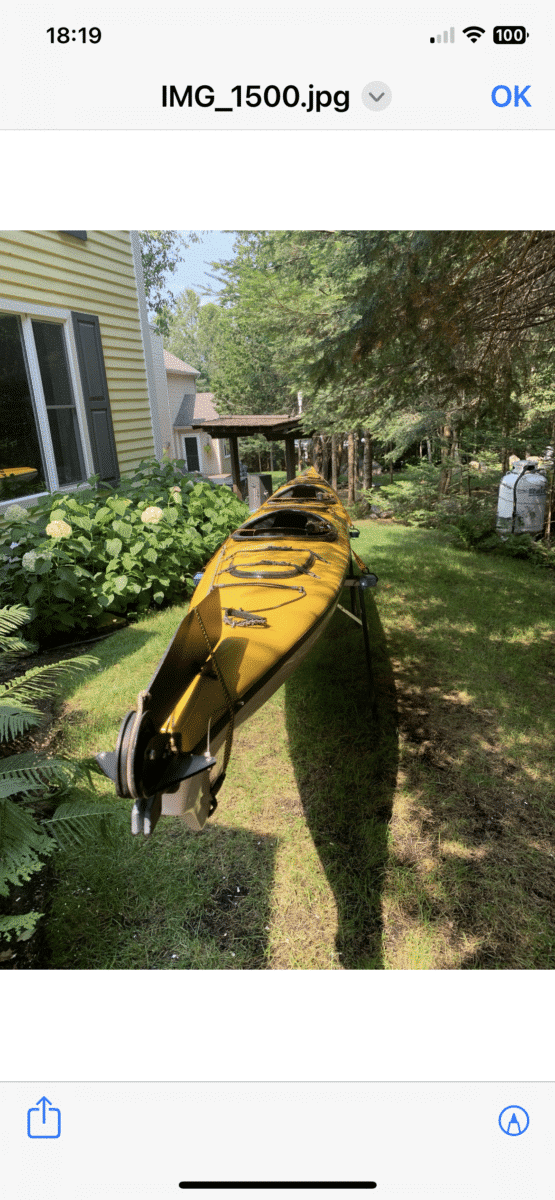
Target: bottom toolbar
[82,1140]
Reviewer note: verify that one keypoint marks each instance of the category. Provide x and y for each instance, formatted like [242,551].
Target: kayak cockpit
[290,523]
[302,491]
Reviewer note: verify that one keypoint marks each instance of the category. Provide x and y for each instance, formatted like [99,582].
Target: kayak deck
[263,600]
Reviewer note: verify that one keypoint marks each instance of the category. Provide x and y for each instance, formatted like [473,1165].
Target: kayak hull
[261,604]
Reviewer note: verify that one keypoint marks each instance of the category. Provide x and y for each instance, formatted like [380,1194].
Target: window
[190,453]
[55,417]
[40,441]
[59,401]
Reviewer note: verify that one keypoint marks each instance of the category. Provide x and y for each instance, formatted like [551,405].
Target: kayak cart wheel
[136,731]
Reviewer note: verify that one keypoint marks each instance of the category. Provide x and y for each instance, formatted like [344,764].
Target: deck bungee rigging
[256,612]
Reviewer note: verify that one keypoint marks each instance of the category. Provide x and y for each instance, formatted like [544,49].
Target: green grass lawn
[413,834]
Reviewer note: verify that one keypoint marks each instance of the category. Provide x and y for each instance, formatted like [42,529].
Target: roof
[176,366]
[204,407]
[195,409]
[273,427]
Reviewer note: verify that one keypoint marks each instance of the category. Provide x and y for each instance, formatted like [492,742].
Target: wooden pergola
[274,428]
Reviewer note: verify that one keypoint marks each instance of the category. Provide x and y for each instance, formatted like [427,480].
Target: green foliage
[412,335]
[24,846]
[10,619]
[84,558]
[413,497]
[467,513]
[161,252]
[474,531]
[79,820]
[24,843]
[22,927]
[195,333]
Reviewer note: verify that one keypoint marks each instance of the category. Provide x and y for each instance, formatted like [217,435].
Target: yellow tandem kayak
[262,602]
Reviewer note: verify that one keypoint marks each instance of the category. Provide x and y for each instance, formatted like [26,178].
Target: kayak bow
[262,602]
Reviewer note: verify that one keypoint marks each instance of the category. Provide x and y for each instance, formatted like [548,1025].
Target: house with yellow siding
[77,378]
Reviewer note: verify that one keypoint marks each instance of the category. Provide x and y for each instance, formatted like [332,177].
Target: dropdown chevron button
[377,95]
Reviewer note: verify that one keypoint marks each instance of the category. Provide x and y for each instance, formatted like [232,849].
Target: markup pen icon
[510,1123]
[43,1122]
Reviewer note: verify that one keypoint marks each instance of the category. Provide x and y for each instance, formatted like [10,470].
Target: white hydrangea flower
[175,490]
[58,529]
[16,512]
[152,515]
[31,558]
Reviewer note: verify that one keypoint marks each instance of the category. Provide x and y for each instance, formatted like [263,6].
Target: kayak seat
[302,491]
[290,522]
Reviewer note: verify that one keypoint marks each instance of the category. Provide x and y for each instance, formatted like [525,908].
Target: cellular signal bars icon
[447,36]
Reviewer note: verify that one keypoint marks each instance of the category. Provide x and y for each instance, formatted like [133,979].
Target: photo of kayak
[262,602]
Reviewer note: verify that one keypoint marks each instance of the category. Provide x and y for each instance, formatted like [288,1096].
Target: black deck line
[264,679]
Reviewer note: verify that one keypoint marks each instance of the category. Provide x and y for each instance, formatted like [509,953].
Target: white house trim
[23,308]
[39,401]
[147,344]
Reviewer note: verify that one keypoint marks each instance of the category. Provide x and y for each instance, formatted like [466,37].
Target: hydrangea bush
[80,558]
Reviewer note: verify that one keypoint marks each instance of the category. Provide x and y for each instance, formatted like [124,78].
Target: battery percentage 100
[510,35]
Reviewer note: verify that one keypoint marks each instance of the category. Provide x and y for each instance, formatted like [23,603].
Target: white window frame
[62,317]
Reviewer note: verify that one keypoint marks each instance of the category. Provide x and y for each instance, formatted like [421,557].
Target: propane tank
[521,502]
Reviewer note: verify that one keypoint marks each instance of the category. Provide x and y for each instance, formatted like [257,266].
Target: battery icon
[510,35]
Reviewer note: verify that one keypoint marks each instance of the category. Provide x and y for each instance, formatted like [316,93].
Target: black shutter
[95,393]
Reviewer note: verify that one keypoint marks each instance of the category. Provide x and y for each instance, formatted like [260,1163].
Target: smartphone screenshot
[276,600]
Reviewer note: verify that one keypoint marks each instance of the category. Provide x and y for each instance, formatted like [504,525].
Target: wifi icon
[473,32]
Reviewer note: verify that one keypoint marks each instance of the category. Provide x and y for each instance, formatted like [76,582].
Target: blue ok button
[503,95]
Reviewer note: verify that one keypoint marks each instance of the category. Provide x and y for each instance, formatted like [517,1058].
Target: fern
[23,842]
[16,719]
[23,926]
[17,712]
[30,773]
[76,821]
[13,617]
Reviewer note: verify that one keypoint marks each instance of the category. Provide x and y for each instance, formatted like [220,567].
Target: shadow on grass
[344,751]
[170,903]
[475,659]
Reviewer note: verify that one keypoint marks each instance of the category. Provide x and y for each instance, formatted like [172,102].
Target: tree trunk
[447,444]
[351,468]
[367,461]
[550,497]
[325,457]
[334,461]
